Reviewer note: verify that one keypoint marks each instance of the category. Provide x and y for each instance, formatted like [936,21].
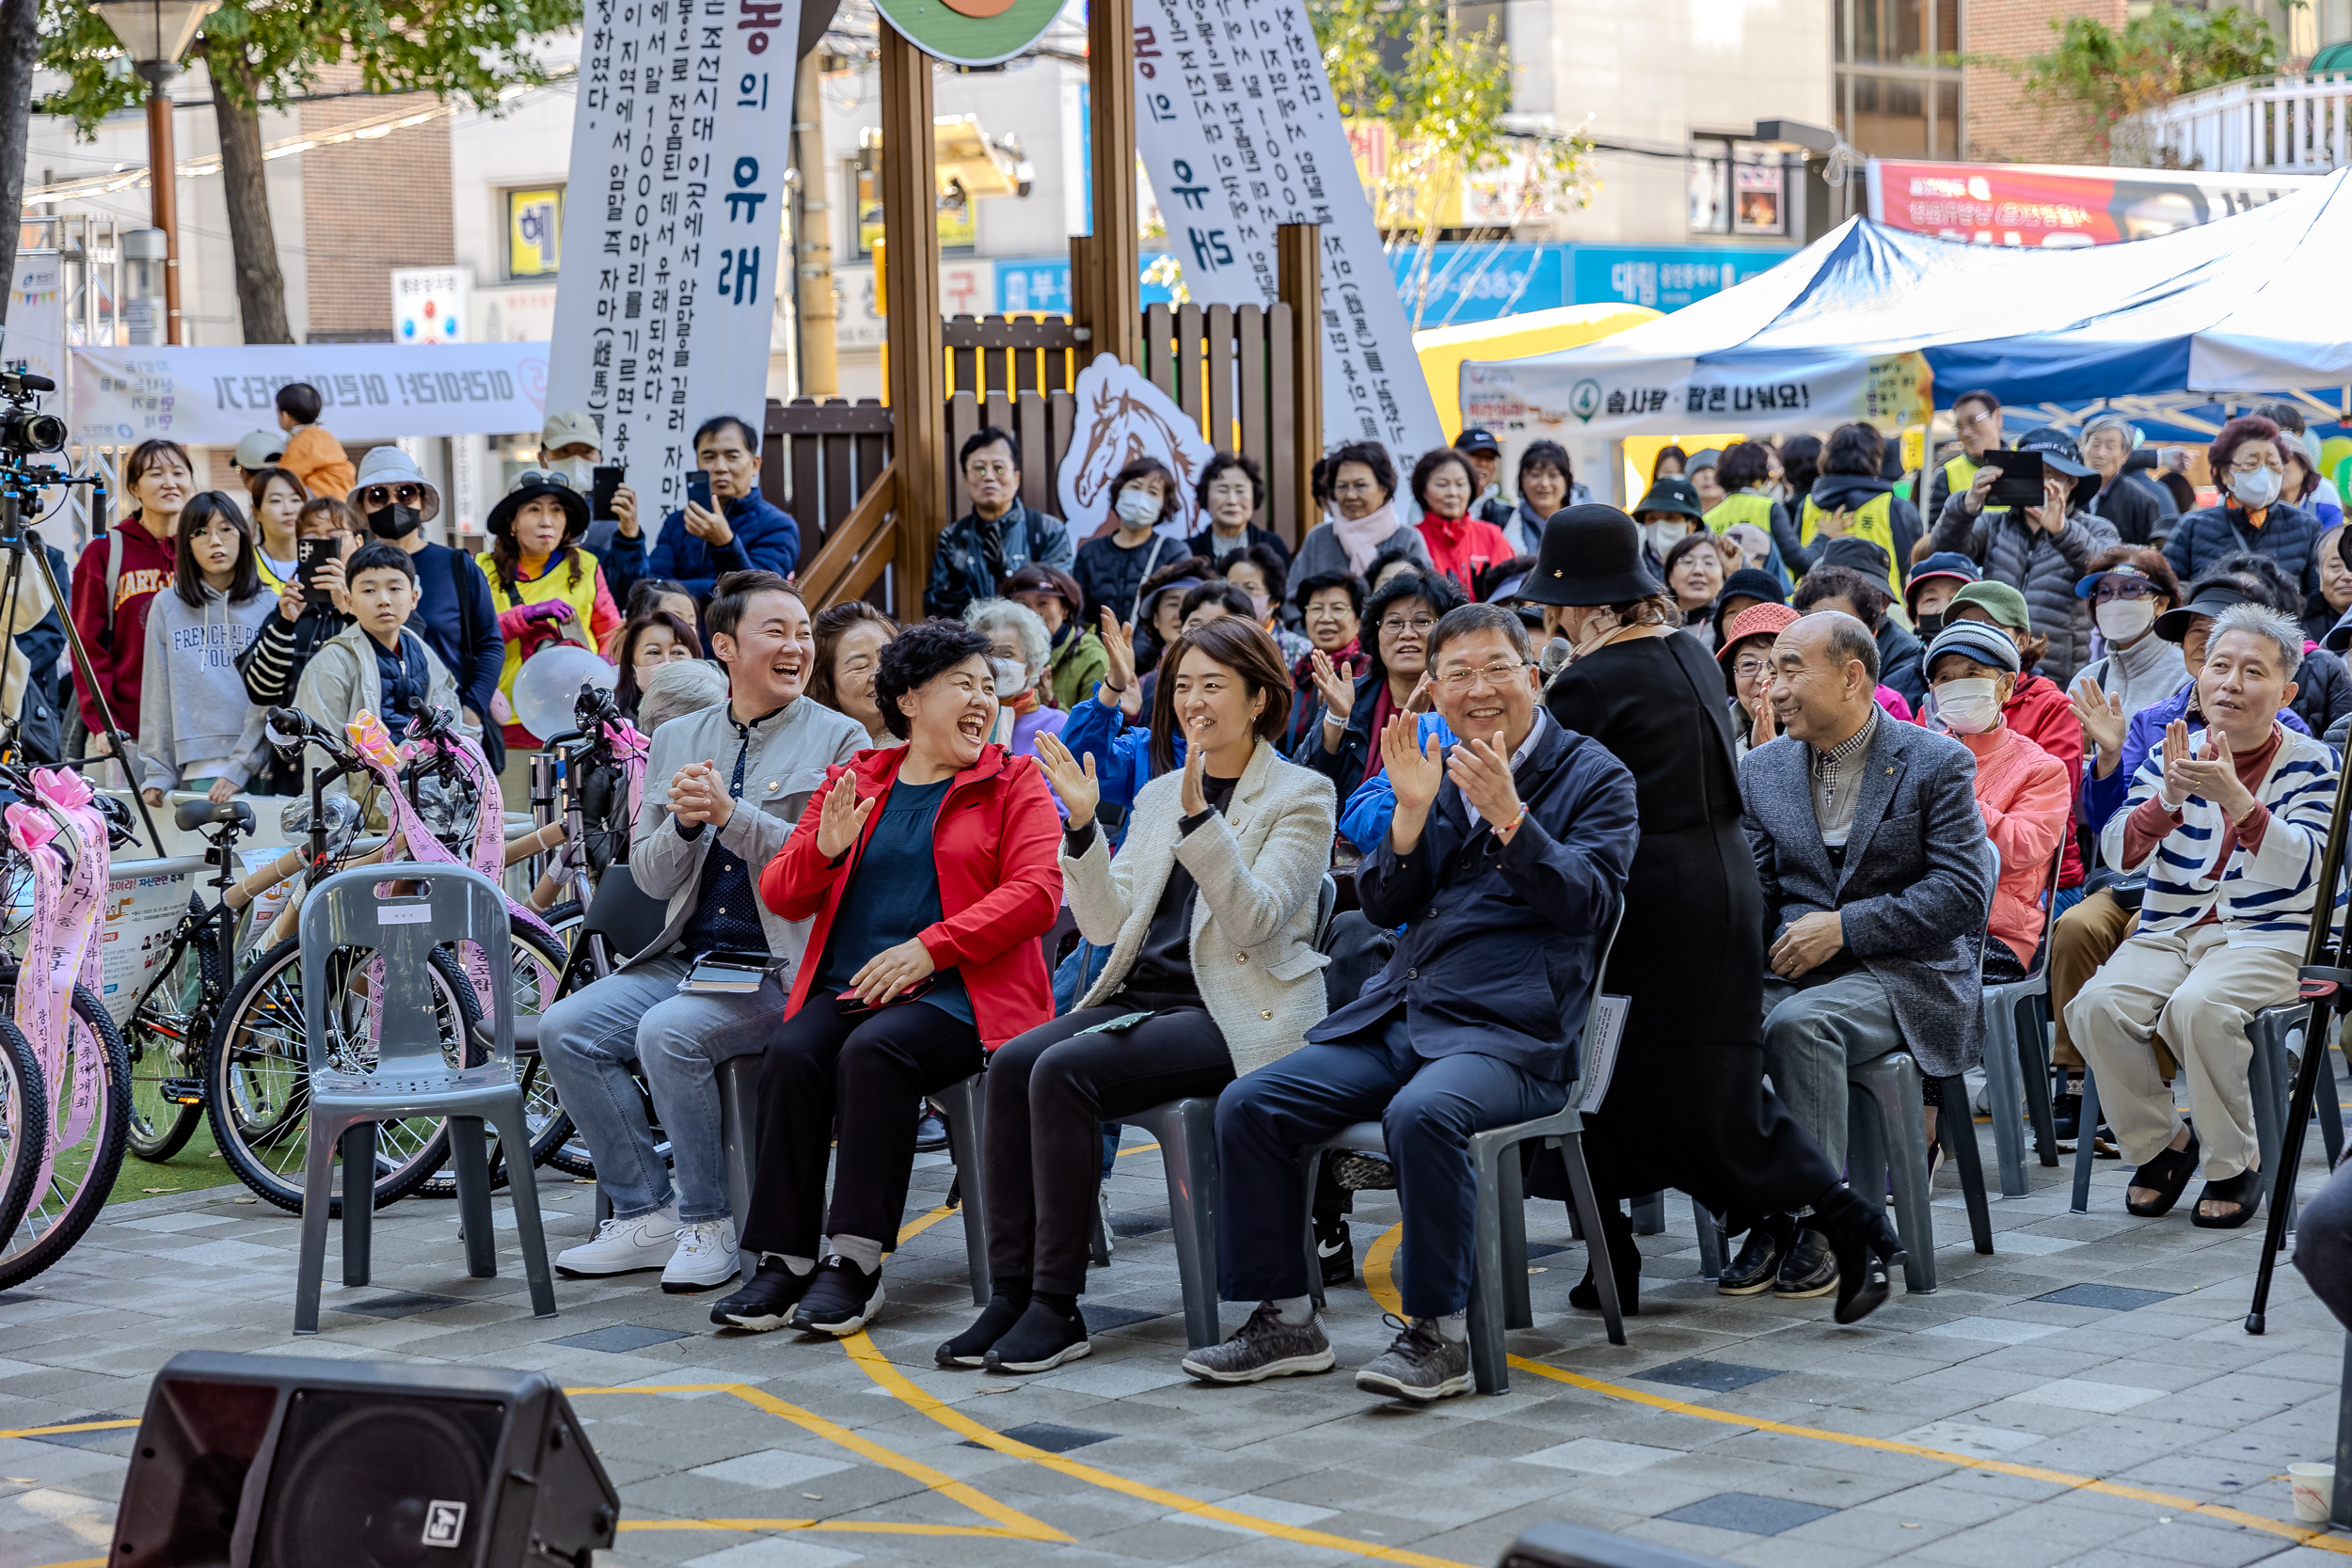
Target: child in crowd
[196,728]
[377,665]
[312,455]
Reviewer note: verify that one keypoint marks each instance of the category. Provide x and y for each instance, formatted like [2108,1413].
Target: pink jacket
[2023,796]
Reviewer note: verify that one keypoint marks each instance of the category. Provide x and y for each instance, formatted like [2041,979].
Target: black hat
[1475,439]
[1672,494]
[530,486]
[1591,555]
[2208,599]
[2058,456]
[1748,582]
[1851,549]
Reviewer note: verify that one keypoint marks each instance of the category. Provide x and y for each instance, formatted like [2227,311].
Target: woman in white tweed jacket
[1209,910]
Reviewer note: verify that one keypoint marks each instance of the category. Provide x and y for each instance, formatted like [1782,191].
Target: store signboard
[2057,206]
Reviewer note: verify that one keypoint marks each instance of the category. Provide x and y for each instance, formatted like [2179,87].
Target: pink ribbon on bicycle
[61,949]
[630,750]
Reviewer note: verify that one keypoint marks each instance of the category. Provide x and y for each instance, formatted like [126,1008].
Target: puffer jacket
[2323,690]
[2288,535]
[2044,567]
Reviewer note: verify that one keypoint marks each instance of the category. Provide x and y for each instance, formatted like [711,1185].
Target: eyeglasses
[2112,589]
[1400,625]
[1975,420]
[1496,675]
[391,495]
[988,471]
[1749,669]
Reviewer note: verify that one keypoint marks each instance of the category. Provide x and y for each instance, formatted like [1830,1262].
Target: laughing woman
[929,872]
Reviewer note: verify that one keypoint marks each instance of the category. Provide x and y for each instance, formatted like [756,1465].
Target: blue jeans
[590,1039]
[1427,1109]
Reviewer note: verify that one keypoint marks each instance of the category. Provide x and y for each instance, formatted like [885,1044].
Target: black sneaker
[1042,1340]
[2066,1111]
[767,1302]
[1335,1250]
[970,1348]
[1760,1257]
[1810,1270]
[1420,1365]
[842,1299]
[930,1131]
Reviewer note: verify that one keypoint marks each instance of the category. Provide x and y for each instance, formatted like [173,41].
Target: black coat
[1898,661]
[2323,690]
[1345,766]
[2131,504]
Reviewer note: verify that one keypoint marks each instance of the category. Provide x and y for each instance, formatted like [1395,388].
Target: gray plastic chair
[1499,1241]
[2017,1054]
[965,1104]
[409,1076]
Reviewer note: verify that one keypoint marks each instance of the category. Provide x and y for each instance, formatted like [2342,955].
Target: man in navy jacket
[1505,861]
[698,547]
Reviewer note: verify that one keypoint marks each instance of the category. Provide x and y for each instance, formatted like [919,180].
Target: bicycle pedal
[182,1091]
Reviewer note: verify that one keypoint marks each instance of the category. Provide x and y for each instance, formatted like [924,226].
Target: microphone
[1555,657]
[31,383]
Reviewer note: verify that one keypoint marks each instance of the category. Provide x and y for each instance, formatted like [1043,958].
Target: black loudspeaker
[286,1462]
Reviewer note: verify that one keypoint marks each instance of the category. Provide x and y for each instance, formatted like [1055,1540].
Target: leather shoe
[1810,1270]
[1760,1257]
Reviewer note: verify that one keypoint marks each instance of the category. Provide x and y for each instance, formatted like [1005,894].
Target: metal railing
[2261,125]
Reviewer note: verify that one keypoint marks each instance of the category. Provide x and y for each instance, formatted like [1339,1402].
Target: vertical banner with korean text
[1237,129]
[673,225]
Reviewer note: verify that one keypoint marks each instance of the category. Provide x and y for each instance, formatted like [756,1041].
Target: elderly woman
[1694,576]
[2129,586]
[1077,659]
[1209,914]
[2249,461]
[1332,611]
[850,640]
[1111,569]
[1019,648]
[1364,522]
[688,686]
[1343,747]
[1229,493]
[927,873]
[2325,608]
[1460,545]
[1260,573]
[1747,660]
[1546,484]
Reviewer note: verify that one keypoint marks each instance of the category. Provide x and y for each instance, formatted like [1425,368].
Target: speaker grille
[357,1475]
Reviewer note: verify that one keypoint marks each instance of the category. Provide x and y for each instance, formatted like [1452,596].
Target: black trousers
[844,1084]
[1048,1095]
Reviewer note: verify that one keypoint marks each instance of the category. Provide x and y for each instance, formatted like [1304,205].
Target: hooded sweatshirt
[116,633]
[195,718]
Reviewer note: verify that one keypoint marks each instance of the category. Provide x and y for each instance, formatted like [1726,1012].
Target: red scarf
[1349,660]
[1383,709]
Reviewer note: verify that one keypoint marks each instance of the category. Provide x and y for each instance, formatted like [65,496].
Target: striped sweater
[2262,894]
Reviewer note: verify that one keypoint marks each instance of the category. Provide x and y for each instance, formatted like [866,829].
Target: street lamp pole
[155,34]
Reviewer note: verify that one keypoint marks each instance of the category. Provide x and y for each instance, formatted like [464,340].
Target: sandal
[2167,1173]
[2244,1190]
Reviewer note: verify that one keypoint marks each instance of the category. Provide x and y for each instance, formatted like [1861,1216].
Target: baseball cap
[566,427]
[1986,644]
[1949,564]
[1475,439]
[260,449]
[2005,604]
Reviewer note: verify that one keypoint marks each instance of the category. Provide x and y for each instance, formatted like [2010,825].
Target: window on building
[1737,187]
[534,232]
[1899,77]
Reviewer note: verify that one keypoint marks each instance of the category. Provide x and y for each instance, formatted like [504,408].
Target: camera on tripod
[24,428]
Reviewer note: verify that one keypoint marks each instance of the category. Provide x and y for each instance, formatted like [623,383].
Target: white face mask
[1139,507]
[1968,707]
[580,472]
[2257,489]
[2121,620]
[1013,677]
[1260,604]
[1664,536]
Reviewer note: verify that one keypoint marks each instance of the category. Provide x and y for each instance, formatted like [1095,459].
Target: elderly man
[1507,857]
[1876,888]
[2228,818]
[2127,500]
[724,788]
[998,536]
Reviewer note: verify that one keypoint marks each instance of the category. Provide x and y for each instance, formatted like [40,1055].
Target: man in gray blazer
[724,788]
[1876,889]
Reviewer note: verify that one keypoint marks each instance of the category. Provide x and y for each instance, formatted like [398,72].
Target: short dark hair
[625,691]
[732,595]
[1990,399]
[1867,594]
[1223,463]
[1545,451]
[643,593]
[346,520]
[1854,449]
[1217,591]
[989,434]
[1462,620]
[149,453]
[1310,587]
[1426,469]
[1799,460]
[1241,646]
[2284,415]
[187,579]
[833,623]
[718,422]
[2265,581]
[918,656]
[1849,640]
[1373,456]
[300,401]
[1407,554]
[375,555]
[1141,468]
[1269,564]
[1658,463]
[1744,463]
[1319,481]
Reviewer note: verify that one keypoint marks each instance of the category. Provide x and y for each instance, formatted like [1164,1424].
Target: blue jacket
[1501,943]
[1364,819]
[2103,798]
[765,537]
[2288,534]
[1121,752]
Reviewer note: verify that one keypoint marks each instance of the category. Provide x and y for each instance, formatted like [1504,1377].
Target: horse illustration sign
[1122,416]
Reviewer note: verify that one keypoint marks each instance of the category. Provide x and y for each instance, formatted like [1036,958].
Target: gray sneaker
[1266,1346]
[1420,1365]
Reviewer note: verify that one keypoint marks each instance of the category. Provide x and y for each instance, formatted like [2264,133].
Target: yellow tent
[1443,349]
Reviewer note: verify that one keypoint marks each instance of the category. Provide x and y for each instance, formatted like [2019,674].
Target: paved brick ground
[2087,1395]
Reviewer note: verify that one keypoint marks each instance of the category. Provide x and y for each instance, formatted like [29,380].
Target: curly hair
[2245,428]
[1744,463]
[915,657]
[1439,593]
[1222,464]
[1426,469]
[1142,469]
[1373,456]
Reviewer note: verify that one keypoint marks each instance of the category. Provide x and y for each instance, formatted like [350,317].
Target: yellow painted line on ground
[78,1426]
[878,1367]
[1137,1148]
[1379,1262]
[79,1562]
[916,1228]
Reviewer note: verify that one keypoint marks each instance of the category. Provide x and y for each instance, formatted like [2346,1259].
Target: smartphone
[2020,483]
[852,1005]
[315,554]
[606,479]
[698,489]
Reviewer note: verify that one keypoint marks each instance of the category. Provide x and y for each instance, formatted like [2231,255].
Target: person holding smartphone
[726,525]
[313,609]
[927,873]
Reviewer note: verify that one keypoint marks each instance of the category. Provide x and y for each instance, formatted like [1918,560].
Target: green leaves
[2105,76]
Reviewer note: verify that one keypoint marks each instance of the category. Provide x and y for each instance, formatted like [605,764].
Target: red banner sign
[2029,204]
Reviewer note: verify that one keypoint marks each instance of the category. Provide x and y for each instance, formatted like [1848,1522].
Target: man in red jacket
[117,578]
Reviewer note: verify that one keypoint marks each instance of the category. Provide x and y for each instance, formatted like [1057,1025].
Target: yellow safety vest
[1874,521]
[553,583]
[1741,506]
[270,579]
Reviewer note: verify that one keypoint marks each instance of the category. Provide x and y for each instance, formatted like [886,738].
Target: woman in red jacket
[1460,545]
[928,872]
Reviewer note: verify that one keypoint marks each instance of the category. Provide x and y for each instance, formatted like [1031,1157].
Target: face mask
[1663,536]
[1013,677]
[1258,605]
[1931,622]
[395,521]
[580,472]
[1968,707]
[1139,507]
[2257,489]
[2121,620]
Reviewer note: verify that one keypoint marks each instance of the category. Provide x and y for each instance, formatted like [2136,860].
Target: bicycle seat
[192,815]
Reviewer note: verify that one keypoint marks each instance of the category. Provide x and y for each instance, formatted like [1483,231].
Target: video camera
[24,428]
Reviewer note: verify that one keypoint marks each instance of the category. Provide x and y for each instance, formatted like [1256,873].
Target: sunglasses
[392,495]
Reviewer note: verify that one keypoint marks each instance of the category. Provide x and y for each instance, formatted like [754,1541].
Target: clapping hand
[842,820]
[697,797]
[1194,799]
[1483,771]
[1415,767]
[2102,717]
[1334,685]
[1423,699]
[2207,775]
[1074,785]
[1119,647]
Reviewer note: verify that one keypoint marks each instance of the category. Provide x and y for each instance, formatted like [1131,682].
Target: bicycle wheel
[166,1040]
[23,1125]
[257,1076]
[549,1127]
[88,1125]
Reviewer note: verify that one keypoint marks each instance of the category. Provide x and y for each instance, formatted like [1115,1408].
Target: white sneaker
[624,1246]
[705,1257]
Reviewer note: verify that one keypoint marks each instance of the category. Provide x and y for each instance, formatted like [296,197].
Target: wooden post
[1114,258]
[1298,276]
[163,182]
[910,192]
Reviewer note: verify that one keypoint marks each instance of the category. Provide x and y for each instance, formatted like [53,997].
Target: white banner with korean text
[371,392]
[1238,131]
[673,229]
[1566,394]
